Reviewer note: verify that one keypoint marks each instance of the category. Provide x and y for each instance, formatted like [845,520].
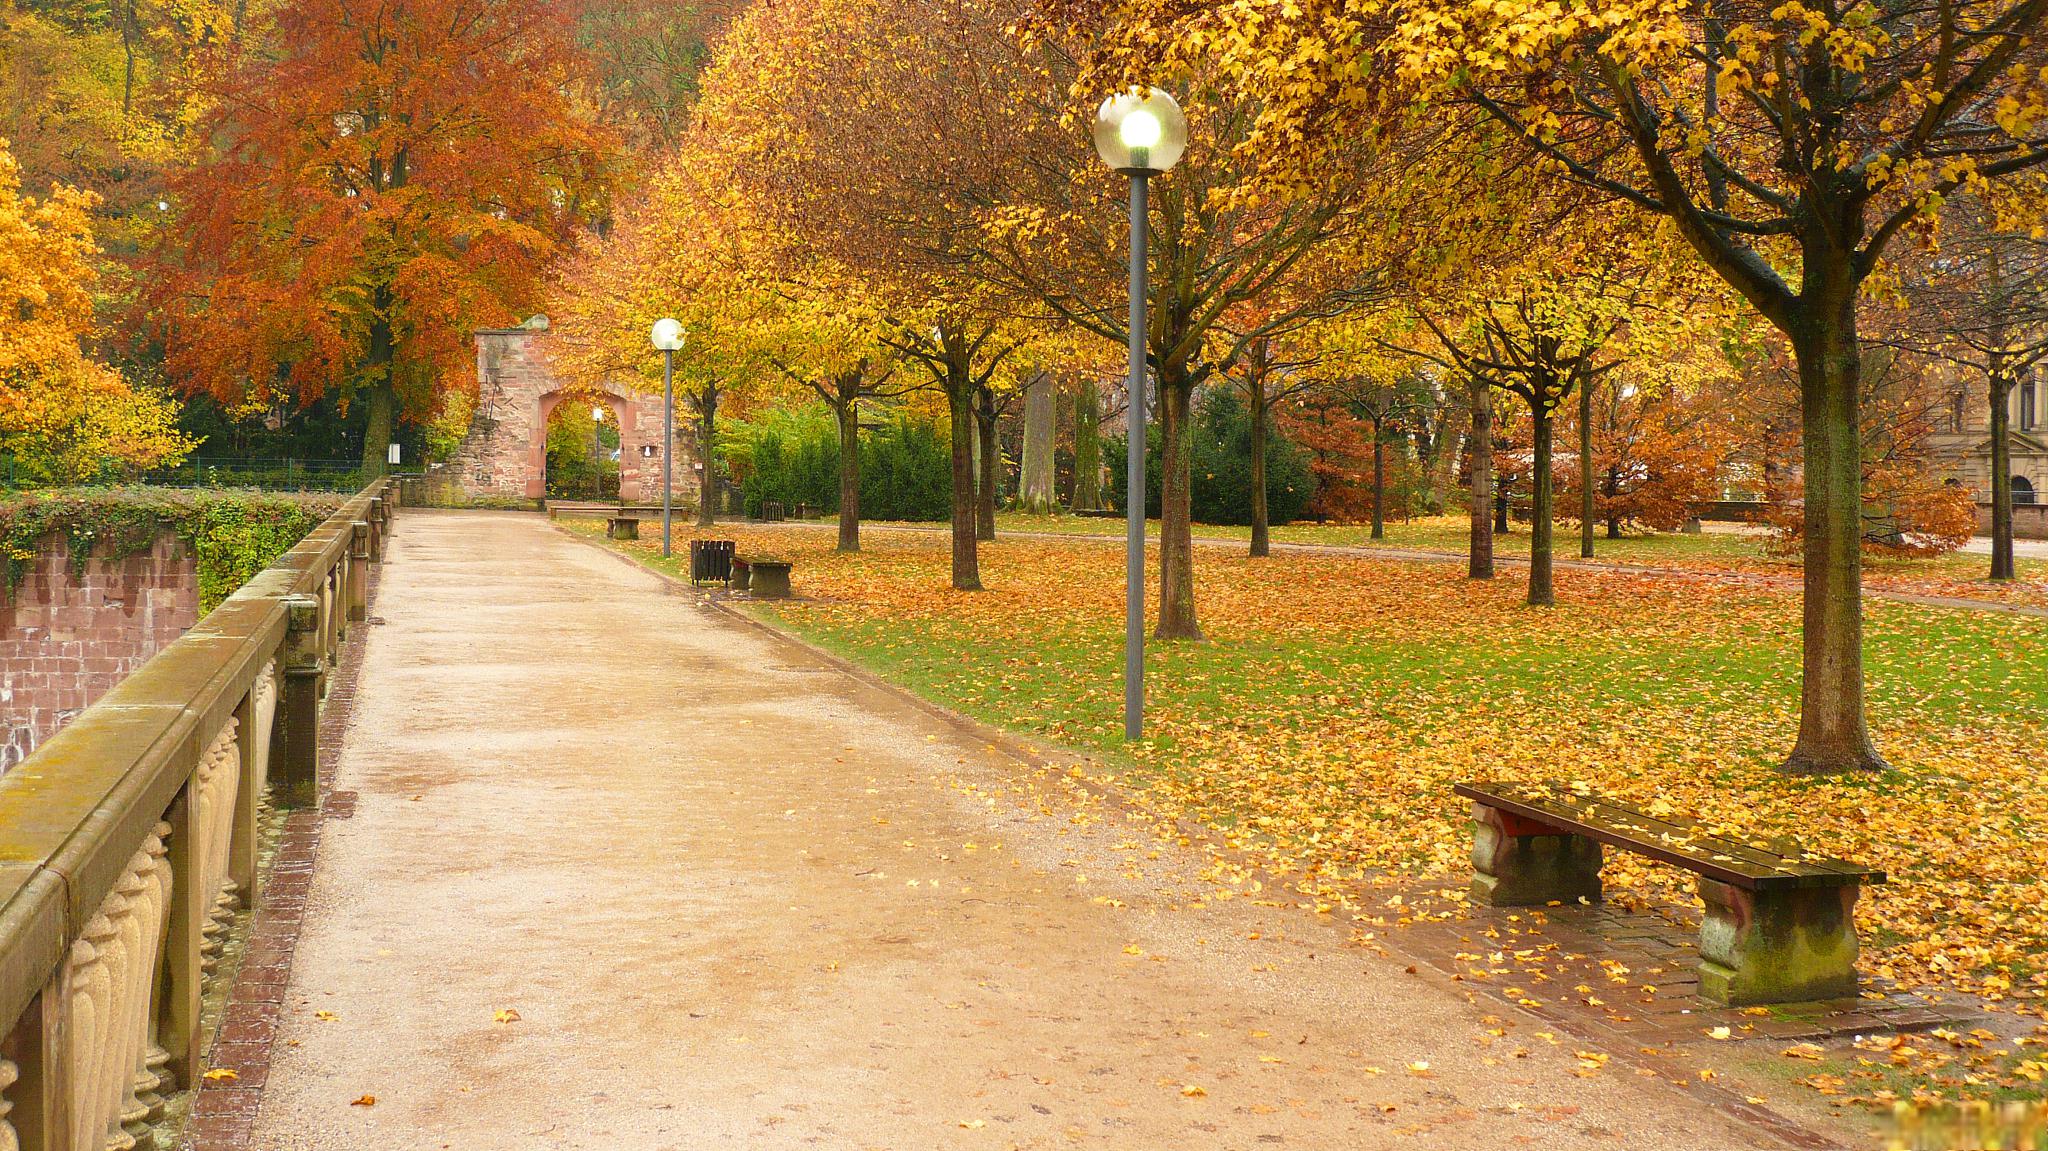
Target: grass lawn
[1960,574]
[1337,698]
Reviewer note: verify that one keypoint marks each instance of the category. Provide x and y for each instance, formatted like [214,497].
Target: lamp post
[667,335]
[1139,134]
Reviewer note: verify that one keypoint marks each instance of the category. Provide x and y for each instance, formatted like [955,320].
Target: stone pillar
[1518,862]
[359,570]
[1777,946]
[379,522]
[304,665]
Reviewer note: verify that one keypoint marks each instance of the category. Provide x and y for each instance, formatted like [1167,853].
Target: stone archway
[504,453]
[633,477]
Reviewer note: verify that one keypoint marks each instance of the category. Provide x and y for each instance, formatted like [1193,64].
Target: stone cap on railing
[74,812]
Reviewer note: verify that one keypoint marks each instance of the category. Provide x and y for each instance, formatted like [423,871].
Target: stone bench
[768,579]
[622,527]
[1780,924]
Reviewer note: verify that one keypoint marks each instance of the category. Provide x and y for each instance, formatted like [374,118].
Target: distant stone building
[1962,445]
[505,453]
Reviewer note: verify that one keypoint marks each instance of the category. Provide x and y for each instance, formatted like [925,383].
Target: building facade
[1962,445]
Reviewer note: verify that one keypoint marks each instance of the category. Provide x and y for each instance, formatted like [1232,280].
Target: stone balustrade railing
[128,842]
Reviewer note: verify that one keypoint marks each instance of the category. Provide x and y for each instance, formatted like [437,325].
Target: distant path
[1425,555]
[738,899]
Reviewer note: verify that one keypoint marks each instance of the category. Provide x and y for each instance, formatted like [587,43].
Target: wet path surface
[737,898]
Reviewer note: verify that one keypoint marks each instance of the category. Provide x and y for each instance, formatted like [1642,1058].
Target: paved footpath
[740,899]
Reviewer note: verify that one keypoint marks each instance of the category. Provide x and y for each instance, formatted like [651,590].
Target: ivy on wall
[233,533]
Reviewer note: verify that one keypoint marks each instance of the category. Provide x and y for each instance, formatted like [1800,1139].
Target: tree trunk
[1481,547]
[1262,542]
[1833,736]
[991,465]
[848,410]
[707,474]
[379,410]
[1041,433]
[1586,470]
[1087,449]
[1176,530]
[380,403]
[960,410]
[2001,472]
[1379,483]
[1542,487]
[1612,487]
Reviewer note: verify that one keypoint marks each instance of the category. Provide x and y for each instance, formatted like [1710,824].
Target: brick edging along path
[223,1116]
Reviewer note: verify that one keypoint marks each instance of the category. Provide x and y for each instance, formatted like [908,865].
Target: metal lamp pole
[667,335]
[1134,478]
[668,438]
[1139,133]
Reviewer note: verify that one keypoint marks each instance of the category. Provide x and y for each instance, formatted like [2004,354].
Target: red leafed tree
[1657,455]
[391,175]
[1907,506]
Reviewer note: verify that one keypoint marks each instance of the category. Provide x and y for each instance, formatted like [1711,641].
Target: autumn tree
[1980,305]
[823,335]
[1791,144]
[1657,453]
[681,250]
[851,151]
[64,416]
[1267,378]
[1228,267]
[392,174]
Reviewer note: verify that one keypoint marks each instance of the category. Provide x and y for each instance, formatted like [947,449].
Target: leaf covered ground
[1338,698]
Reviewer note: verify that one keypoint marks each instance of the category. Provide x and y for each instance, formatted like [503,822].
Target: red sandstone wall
[64,641]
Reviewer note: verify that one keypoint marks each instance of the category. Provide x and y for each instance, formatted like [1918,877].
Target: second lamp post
[667,335]
[1139,134]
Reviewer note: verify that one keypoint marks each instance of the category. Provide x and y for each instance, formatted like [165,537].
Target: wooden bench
[622,527]
[1780,924]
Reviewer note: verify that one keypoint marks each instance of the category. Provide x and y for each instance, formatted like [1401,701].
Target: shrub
[1222,491]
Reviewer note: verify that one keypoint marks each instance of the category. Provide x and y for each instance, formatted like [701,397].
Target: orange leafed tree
[392,174]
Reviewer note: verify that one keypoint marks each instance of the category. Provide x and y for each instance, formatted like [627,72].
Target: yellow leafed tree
[64,417]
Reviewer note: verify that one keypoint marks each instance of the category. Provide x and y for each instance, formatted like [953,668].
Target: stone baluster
[9,1076]
[256,716]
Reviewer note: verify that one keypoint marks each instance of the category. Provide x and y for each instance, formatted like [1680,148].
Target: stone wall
[65,640]
[504,454]
[2029,521]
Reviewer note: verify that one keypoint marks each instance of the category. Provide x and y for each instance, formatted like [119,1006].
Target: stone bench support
[769,579]
[1780,923]
[622,528]
[1777,946]
[1517,862]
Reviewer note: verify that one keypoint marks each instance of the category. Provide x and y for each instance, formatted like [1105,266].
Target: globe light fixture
[667,337]
[1140,132]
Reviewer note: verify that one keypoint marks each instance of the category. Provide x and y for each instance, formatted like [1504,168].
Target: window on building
[2028,389]
[1955,412]
[2022,490]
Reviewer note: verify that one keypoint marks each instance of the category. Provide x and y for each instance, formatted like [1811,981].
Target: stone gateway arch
[504,454]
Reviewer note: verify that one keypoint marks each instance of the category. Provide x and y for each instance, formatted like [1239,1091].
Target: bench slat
[1680,843]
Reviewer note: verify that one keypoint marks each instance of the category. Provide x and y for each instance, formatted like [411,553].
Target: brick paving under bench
[1631,978]
[224,1110]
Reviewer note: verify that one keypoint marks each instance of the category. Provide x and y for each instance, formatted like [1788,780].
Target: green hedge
[1223,466]
[905,467]
[233,533]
